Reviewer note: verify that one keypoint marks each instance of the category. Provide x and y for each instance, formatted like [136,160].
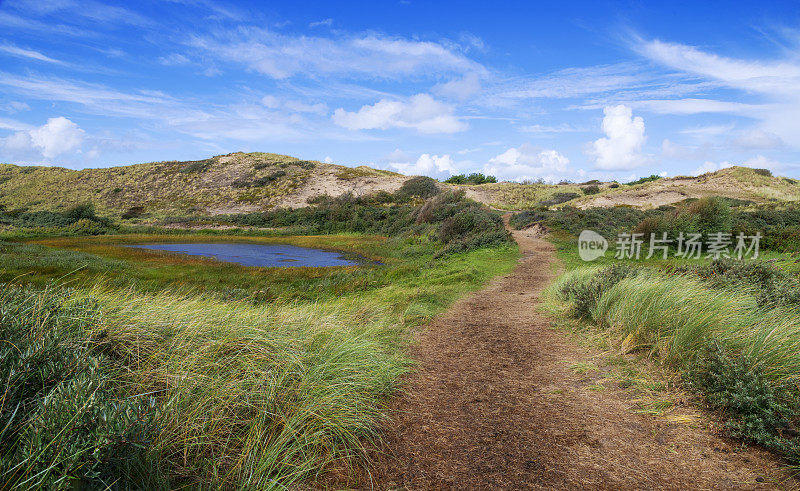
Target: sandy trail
[493,404]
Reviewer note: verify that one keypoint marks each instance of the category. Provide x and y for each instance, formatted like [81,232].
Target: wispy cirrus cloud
[28,54]
[281,56]
[767,89]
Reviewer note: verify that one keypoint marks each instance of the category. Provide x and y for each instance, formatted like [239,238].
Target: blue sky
[521,90]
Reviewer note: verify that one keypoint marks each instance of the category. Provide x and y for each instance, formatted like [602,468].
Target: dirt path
[493,404]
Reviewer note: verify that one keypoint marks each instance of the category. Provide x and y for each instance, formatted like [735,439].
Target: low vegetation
[474,178]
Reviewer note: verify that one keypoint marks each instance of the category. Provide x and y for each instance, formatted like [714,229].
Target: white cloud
[709,166]
[781,76]
[761,162]
[27,53]
[56,137]
[621,148]
[175,59]
[694,106]
[543,130]
[462,88]
[756,139]
[273,102]
[527,162]
[325,22]
[281,56]
[421,112]
[773,81]
[328,160]
[570,83]
[427,165]
[15,107]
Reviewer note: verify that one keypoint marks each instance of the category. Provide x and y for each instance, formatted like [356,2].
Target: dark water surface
[263,255]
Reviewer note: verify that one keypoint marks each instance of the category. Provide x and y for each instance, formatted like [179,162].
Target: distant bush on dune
[420,187]
[475,178]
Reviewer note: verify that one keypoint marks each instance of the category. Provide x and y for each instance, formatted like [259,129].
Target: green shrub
[63,423]
[751,404]
[249,182]
[420,187]
[584,295]
[710,215]
[474,178]
[614,185]
[763,172]
[196,166]
[591,189]
[770,285]
[133,212]
[642,180]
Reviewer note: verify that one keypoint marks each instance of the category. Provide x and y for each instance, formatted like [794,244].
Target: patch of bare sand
[326,182]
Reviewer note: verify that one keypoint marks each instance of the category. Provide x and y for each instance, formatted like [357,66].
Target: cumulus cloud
[426,165]
[56,137]
[421,112]
[528,162]
[622,145]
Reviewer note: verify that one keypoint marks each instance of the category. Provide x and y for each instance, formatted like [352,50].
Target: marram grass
[256,396]
[675,318]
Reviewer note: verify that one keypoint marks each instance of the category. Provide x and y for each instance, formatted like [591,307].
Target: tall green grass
[744,355]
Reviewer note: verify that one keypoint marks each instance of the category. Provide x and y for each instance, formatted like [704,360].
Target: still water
[263,255]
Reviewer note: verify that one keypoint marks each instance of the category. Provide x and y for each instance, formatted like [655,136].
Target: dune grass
[741,354]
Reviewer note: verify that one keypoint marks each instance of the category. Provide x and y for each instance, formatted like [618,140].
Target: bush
[474,178]
[754,411]
[421,187]
[608,221]
[76,220]
[770,285]
[642,180]
[249,182]
[710,215]
[558,198]
[133,212]
[614,185]
[592,189]
[584,295]
[196,166]
[63,423]
[763,172]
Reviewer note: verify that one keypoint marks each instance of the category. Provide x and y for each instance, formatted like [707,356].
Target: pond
[263,255]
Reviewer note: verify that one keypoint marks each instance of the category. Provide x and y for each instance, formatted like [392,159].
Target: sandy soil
[493,404]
